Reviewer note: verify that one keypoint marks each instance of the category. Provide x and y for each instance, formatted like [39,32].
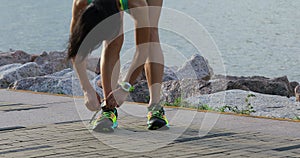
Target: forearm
[80,68]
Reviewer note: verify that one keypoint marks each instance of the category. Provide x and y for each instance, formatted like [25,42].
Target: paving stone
[73,139]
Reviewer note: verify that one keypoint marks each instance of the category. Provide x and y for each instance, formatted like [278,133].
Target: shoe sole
[157,124]
[104,126]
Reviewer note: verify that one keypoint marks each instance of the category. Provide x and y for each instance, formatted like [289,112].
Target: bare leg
[154,66]
[142,38]
[148,50]
[110,64]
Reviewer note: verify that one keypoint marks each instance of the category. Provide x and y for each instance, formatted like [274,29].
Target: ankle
[154,107]
[105,109]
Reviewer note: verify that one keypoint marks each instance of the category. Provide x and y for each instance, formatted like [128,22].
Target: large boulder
[277,86]
[14,57]
[93,65]
[297,93]
[124,71]
[294,84]
[140,93]
[195,68]
[255,104]
[48,84]
[169,73]
[53,62]
[63,82]
[11,73]
[172,90]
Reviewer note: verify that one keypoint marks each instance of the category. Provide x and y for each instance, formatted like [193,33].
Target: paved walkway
[37,125]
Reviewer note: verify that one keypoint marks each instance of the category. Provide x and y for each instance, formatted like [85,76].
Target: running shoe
[106,122]
[157,119]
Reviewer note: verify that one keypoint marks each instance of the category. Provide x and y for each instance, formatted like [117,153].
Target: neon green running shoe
[157,120]
[106,122]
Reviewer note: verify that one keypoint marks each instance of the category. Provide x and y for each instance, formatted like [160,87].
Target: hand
[92,100]
[116,98]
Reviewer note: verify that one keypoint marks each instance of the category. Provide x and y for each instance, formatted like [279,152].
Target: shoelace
[106,114]
[158,114]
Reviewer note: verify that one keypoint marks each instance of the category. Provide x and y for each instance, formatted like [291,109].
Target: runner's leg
[110,63]
[155,63]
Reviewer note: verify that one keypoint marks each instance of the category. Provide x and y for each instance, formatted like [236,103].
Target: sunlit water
[254,37]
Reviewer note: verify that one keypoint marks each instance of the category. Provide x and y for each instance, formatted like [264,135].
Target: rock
[14,72]
[169,74]
[259,84]
[171,90]
[9,66]
[67,73]
[263,104]
[124,70]
[297,93]
[294,84]
[14,57]
[97,87]
[140,93]
[53,62]
[93,65]
[192,87]
[195,68]
[49,84]
[63,82]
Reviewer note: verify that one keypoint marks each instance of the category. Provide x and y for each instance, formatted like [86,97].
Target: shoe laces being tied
[156,111]
[108,114]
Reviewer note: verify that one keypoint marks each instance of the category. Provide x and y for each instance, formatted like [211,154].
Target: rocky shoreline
[193,84]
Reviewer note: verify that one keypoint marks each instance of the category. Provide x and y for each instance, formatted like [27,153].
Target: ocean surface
[254,37]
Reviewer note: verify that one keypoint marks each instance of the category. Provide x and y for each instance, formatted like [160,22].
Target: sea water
[254,37]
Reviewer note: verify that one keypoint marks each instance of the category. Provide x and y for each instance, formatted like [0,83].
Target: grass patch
[178,103]
[247,111]
[227,108]
[206,108]
[297,118]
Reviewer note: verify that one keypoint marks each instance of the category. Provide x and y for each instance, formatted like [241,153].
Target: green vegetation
[227,108]
[249,108]
[147,99]
[235,109]
[297,118]
[178,103]
[206,107]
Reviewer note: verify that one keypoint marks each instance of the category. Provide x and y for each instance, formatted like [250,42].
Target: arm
[90,96]
[91,100]
[78,7]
